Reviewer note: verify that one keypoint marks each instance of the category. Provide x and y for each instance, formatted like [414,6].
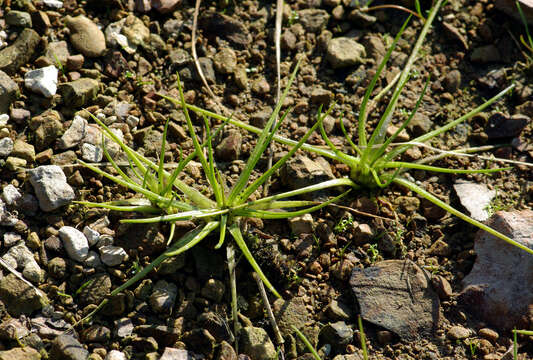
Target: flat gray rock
[500,286]
[397,295]
[51,188]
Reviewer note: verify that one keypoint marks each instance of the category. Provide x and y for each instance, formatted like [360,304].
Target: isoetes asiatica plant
[372,160]
[165,198]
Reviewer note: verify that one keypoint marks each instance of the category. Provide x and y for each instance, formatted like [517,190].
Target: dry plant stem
[396,7]
[230,254]
[271,318]
[21,278]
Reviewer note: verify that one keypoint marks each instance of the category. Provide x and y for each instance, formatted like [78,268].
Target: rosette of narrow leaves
[372,161]
[165,198]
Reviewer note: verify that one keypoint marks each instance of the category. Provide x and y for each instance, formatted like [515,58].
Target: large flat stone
[397,295]
[499,288]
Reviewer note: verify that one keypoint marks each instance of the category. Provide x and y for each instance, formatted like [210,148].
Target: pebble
[313,20]
[256,343]
[54,4]
[302,224]
[485,54]
[8,92]
[92,260]
[260,86]
[18,18]
[6,147]
[20,353]
[229,148]
[51,188]
[213,290]
[20,52]
[452,81]
[19,297]
[123,327]
[85,36]
[476,198]
[163,296]
[23,150]
[74,134]
[79,92]
[337,334]
[92,235]
[92,153]
[112,255]
[176,354]
[115,355]
[458,333]
[225,61]
[488,334]
[11,195]
[165,6]
[20,115]
[25,261]
[74,242]
[68,347]
[57,268]
[344,52]
[337,310]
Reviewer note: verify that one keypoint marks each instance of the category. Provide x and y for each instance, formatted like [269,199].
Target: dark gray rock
[397,295]
[163,296]
[18,18]
[498,289]
[67,347]
[225,27]
[337,334]
[504,126]
[8,92]
[97,288]
[216,325]
[485,54]
[20,52]
[452,81]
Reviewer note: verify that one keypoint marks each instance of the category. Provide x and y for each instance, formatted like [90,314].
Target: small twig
[396,7]
[21,278]
[230,254]
[362,213]
[273,323]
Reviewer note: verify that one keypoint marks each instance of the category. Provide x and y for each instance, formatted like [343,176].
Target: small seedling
[345,224]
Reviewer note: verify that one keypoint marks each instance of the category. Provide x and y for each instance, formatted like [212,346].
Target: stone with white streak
[91,153]
[475,198]
[51,188]
[42,81]
[74,242]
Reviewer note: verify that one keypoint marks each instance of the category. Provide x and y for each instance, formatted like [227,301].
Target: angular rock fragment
[397,295]
[42,81]
[8,92]
[20,52]
[499,287]
[475,198]
[51,188]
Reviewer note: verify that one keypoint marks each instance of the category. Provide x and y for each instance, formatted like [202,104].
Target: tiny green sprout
[344,224]
[515,340]
[528,44]
[293,18]
[373,253]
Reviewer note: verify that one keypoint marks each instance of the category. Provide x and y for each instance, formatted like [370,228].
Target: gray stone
[6,146]
[498,289]
[112,255]
[313,20]
[80,92]
[172,264]
[18,18]
[226,27]
[19,297]
[256,343]
[85,36]
[135,31]
[290,313]
[20,52]
[8,92]
[338,310]
[10,239]
[26,262]
[206,64]
[68,347]
[397,295]
[344,52]
[475,198]
[74,242]
[92,235]
[42,81]
[165,6]
[97,288]
[92,260]
[57,267]
[74,134]
[176,354]
[163,296]
[51,188]
[225,61]
[57,53]
[11,195]
[452,81]
[20,353]
[92,153]
[54,4]
[337,334]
